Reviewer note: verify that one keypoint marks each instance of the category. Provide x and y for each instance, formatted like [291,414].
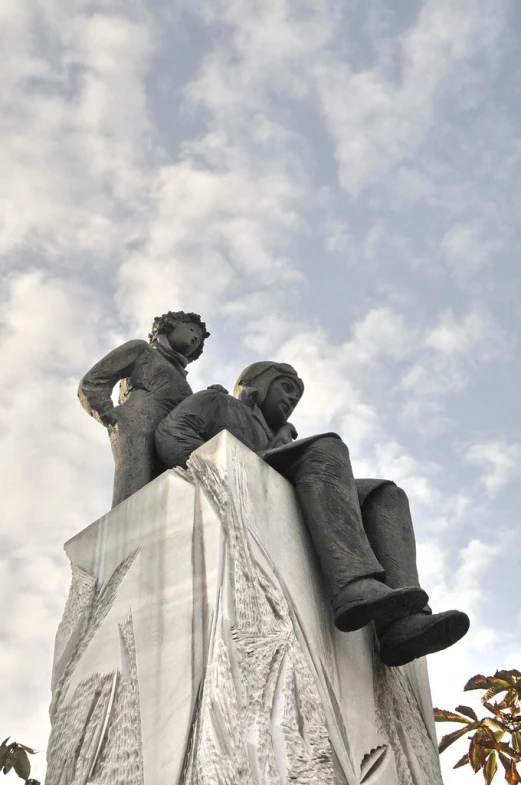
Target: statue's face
[282,397]
[185,338]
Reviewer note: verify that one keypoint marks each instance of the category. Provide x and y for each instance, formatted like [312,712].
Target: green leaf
[451,737]
[485,733]
[494,725]
[3,754]
[462,762]
[468,712]
[511,697]
[490,768]
[441,715]
[22,765]
[4,743]
[516,741]
[475,754]
[497,686]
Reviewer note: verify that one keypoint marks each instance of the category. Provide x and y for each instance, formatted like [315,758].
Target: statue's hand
[219,388]
[110,417]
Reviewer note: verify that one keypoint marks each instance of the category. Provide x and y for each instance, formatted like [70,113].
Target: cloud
[469,246]
[452,351]
[56,470]
[499,461]
[75,133]
[376,122]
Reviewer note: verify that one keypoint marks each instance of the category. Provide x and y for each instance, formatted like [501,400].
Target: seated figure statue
[153,381]
[361,529]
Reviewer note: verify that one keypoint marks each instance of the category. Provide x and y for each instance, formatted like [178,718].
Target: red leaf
[511,775]
[451,737]
[508,750]
[441,715]
[506,675]
[468,712]
[462,762]
[478,682]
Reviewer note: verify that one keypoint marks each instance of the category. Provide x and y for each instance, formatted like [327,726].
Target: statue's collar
[162,345]
[260,418]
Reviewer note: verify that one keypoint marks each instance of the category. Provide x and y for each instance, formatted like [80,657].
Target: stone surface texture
[197,647]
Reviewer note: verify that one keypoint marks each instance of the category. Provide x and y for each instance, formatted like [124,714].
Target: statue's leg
[327,494]
[133,452]
[326,490]
[387,522]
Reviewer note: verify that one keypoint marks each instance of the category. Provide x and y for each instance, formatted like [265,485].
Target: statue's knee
[326,455]
[329,446]
[393,494]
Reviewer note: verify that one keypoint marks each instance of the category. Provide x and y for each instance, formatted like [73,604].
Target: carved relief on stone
[260,717]
[96,736]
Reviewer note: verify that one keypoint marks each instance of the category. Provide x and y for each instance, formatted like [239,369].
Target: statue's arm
[188,426]
[96,386]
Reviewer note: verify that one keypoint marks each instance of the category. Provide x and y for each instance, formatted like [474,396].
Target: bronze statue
[361,529]
[153,382]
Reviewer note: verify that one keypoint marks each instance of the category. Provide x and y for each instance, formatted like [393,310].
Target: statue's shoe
[369,600]
[415,636]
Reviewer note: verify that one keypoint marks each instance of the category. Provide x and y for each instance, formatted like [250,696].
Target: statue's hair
[166,323]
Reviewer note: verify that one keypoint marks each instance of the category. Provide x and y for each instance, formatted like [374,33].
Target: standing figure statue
[361,529]
[153,382]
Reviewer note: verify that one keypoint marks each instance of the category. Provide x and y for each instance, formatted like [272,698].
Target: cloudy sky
[335,185]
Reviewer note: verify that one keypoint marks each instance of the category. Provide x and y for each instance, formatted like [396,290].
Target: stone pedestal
[197,648]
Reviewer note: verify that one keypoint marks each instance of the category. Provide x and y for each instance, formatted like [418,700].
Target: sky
[333,185]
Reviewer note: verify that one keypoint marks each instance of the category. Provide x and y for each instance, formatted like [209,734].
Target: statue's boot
[420,634]
[369,600]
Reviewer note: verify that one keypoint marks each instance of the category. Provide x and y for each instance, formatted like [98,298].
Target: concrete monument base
[197,648]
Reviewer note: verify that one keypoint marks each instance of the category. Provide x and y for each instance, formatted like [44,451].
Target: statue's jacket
[153,383]
[205,414]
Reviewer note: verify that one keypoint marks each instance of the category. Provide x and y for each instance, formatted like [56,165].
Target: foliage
[496,738]
[16,756]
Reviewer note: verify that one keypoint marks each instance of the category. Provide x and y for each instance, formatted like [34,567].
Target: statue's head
[275,387]
[185,332]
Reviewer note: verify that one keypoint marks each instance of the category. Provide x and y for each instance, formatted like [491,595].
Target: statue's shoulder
[208,402]
[130,349]
[210,398]
[136,343]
